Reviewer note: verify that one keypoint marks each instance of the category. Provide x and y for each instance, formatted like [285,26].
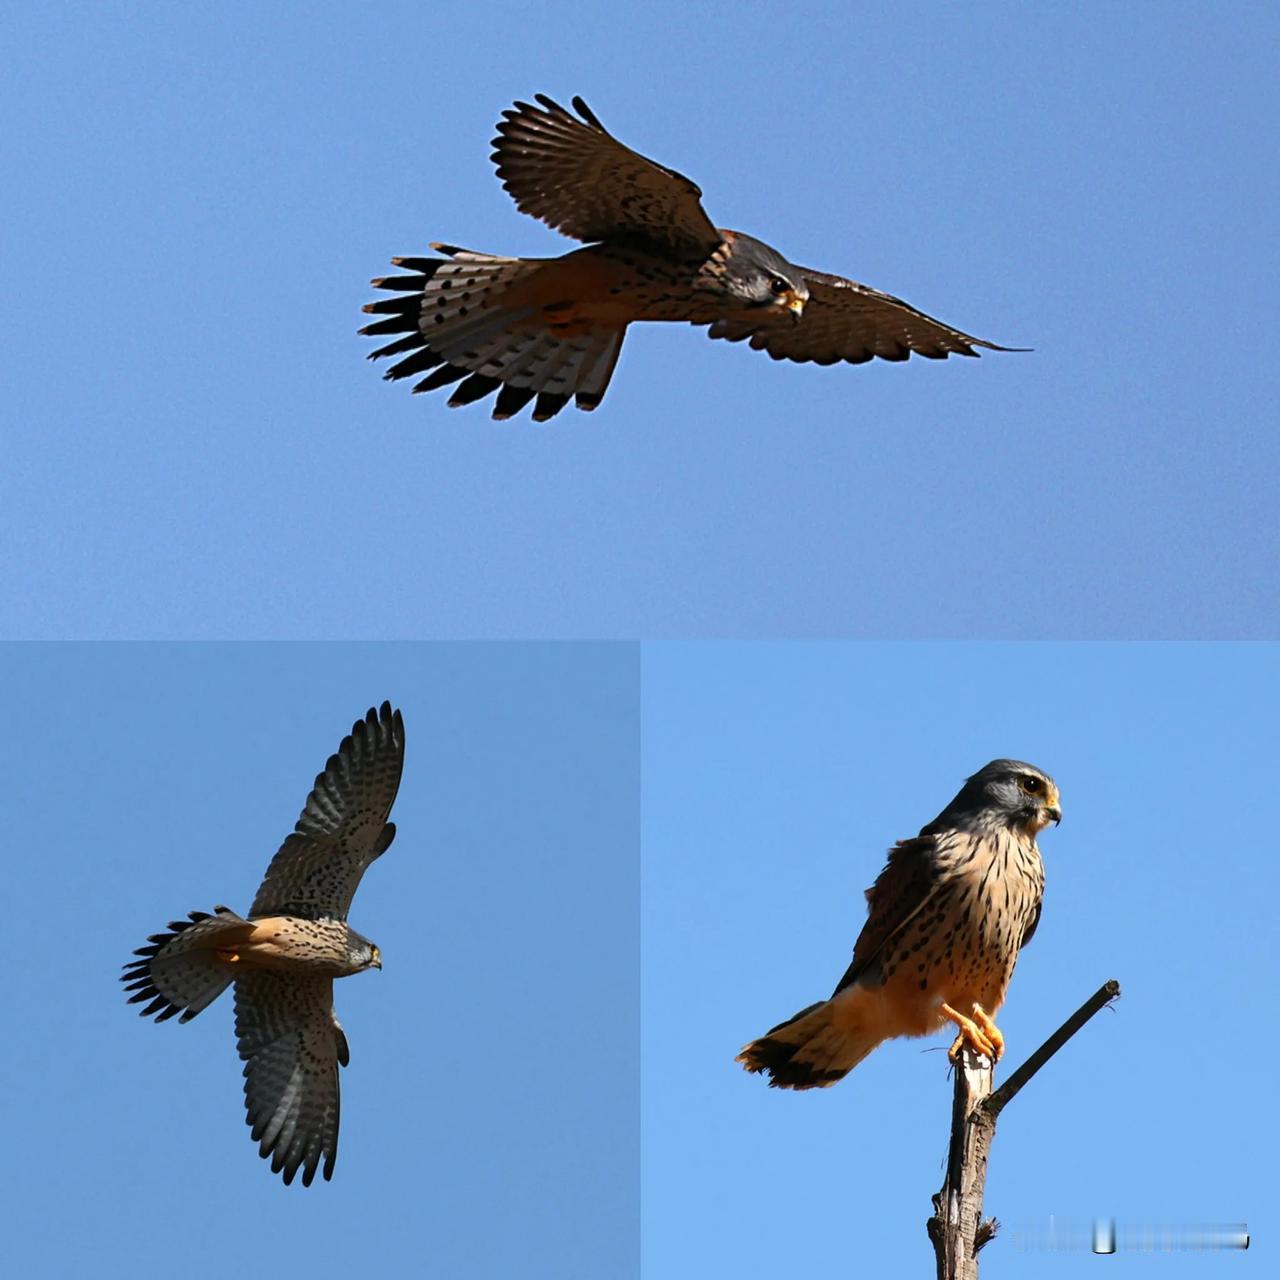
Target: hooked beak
[795,304]
[376,960]
[1054,814]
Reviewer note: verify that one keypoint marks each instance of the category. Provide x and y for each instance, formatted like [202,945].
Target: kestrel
[945,921]
[284,956]
[553,327]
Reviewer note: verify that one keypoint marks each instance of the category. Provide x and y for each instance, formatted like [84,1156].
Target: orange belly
[576,293]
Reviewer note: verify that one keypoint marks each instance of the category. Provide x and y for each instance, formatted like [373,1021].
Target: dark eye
[1032,786]
[778,286]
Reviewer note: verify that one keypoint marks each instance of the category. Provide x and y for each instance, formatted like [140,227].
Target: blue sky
[555,993]
[490,1111]
[196,447]
[776,776]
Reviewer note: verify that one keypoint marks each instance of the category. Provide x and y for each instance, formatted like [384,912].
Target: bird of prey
[945,921]
[284,955]
[553,327]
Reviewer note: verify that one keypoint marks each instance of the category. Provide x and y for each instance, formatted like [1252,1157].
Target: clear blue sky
[775,778]
[195,199]
[490,1111]
[195,447]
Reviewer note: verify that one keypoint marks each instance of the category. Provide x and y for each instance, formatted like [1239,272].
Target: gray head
[1004,793]
[760,278]
[361,953]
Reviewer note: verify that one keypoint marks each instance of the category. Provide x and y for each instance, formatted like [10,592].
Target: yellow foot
[971,1034]
[231,957]
[990,1030]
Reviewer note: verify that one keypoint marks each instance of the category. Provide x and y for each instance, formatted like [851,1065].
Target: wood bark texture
[957,1228]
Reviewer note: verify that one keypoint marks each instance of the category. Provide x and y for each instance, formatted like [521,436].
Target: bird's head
[361,953]
[758,278]
[1004,793]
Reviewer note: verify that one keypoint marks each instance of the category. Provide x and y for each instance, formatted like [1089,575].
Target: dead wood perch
[957,1229]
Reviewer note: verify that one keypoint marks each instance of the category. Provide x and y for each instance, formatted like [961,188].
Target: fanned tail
[182,971]
[455,325]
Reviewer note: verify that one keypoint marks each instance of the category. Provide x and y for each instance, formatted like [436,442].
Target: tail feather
[181,971]
[453,323]
[815,1048]
[601,358]
[511,400]
[464,340]
[412,343]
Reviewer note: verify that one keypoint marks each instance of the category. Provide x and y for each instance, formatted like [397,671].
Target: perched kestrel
[945,921]
[553,327]
[284,956]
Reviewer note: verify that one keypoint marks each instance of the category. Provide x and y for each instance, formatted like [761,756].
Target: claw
[990,1030]
[971,1034]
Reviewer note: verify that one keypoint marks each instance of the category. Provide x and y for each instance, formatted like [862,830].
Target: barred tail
[183,971]
[455,323]
[816,1047]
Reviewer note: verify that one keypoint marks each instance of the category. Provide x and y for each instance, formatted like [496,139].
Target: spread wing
[579,179]
[292,1046]
[343,826]
[900,893]
[844,320]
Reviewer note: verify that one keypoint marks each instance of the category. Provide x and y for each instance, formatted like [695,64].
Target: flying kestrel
[284,956]
[945,921]
[553,327]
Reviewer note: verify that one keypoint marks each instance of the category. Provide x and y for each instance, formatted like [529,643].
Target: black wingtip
[586,113]
[994,346]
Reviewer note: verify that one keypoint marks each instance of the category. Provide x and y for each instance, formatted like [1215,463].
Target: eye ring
[778,286]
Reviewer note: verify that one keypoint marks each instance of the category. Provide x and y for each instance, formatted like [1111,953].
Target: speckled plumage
[551,328]
[946,919]
[284,956]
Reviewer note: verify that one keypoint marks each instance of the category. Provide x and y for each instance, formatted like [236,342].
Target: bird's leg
[231,957]
[970,1033]
[989,1029]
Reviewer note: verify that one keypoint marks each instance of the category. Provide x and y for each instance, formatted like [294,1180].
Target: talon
[990,1030]
[971,1034]
[231,957]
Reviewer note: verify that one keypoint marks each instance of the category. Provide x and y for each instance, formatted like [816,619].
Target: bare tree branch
[1104,995]
[957,1228]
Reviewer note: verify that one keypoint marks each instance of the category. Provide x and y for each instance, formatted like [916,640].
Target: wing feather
[579,179]
[901,891]
[343,826]
[844,320]
[292,1045]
